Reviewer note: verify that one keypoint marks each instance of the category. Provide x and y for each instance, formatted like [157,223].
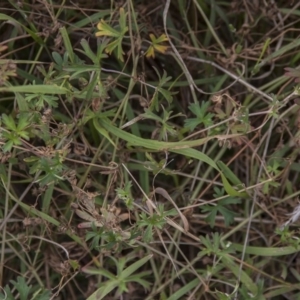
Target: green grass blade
[183,148]
[266,251]
[244,277]
[184,290]
[132,268]
[35,89]
[229,174]
[67,43]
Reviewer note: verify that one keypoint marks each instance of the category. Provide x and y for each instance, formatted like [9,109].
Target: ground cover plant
[149,149]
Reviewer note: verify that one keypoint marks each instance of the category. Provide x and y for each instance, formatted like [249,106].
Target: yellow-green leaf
[106,30]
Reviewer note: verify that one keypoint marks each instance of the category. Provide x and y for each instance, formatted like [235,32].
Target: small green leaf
[148,236]
[57,58]
[201,116]
[22,287]
[220,208]
[9,122]
[88,51]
